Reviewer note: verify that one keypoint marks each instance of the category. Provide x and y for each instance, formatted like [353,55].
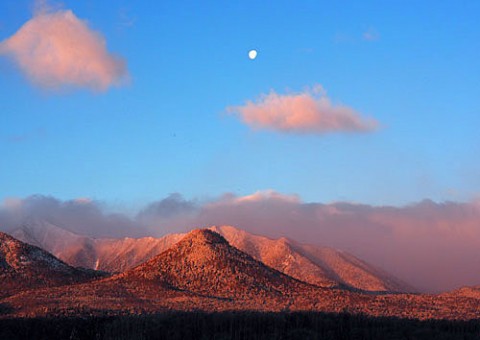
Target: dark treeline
[245,325]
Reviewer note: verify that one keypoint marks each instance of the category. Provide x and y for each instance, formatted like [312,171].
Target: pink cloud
[262,195]
[54,49]
[310,112]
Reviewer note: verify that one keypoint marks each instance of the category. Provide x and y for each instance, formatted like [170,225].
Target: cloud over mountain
[433,246]
[308,112]
[82,216]
[56,49]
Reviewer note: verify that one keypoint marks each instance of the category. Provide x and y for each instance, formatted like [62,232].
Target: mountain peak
[204,236]
[203,262]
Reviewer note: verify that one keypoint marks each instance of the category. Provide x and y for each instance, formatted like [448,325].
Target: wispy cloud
[27,136]
[371,35]
[308,112]
[368,35]
[55,49]
[259,196]
[126,19]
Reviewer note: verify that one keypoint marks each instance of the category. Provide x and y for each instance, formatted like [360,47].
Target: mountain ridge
[203,272]
[23,266]
[322,266]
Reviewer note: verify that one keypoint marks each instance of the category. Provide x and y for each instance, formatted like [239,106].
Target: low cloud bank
[81,216]
[433,246]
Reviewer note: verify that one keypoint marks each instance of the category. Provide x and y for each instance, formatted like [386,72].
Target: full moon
[252,54]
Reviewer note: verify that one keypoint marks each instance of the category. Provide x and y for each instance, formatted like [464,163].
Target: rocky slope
[23,266]
[203,262]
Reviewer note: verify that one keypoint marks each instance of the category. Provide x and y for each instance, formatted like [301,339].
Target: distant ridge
[110,255]
[322,266]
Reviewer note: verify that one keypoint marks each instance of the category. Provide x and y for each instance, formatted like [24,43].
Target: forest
[237,325]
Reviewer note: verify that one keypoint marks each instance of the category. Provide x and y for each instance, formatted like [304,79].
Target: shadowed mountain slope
[23,266]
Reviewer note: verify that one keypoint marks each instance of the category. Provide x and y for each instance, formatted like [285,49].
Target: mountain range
[202,271]
[322,266]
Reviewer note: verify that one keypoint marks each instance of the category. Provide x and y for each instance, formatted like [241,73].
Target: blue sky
[412,66]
